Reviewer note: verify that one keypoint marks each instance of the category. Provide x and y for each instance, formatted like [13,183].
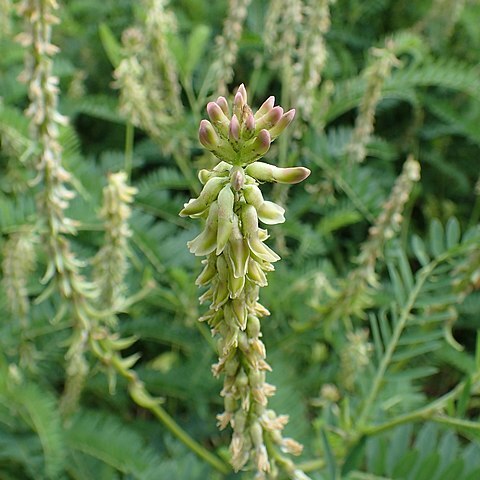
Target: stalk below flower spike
[236,264]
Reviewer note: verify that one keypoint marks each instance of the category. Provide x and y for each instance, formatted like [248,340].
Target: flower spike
[236,266]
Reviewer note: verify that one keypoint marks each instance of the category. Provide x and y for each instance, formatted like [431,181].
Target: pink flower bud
[250,123]
[234,129]
[237,178]
[223,104]
[266,106]
[243,92]
[207,135]
[218,118]
[282,124]
[262,142]
[270,119]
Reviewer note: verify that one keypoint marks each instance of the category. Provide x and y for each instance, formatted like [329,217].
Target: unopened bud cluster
[236,266]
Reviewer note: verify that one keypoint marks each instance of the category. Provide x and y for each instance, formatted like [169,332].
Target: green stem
[129,140]
[399,327]
[184,166]
[312,465]
[457,422]
[337,178]
[429,412]
[187,440]
[143,398]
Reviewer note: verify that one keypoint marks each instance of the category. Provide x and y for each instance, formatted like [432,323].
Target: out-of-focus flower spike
[206,242]
[208,194]
[282,124]
[207,135]
[267,105]
[226,200]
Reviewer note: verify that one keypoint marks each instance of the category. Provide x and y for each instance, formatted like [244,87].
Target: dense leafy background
[430,108]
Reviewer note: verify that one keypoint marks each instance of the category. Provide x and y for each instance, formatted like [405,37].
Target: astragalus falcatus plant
[237,260]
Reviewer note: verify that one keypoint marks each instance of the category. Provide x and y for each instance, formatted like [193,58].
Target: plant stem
[429,412]
[142,398]
[399,327]
[312,465]
[129,139]
[338,179]
[456,422]
[187,440]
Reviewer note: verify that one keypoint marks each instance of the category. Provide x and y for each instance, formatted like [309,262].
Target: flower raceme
[236,264]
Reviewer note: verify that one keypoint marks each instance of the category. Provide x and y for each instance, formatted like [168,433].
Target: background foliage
[372,336]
